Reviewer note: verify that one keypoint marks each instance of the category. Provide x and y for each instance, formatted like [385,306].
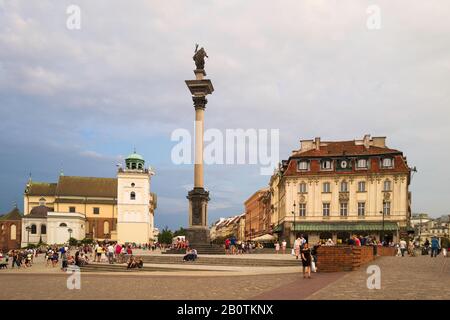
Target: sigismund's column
[198,231]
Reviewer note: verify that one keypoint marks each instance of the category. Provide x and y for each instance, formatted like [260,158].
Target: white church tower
[135,221]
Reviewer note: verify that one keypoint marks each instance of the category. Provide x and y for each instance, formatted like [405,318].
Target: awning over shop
[339,227]
[266,237]
[278,228]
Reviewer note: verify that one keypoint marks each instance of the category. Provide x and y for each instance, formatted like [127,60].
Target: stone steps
[122,268]
[164,259]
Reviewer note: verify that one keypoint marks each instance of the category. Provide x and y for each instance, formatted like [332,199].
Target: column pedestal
[198,231]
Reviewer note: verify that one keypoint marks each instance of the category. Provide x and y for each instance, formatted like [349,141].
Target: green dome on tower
[135,161]
[135,156]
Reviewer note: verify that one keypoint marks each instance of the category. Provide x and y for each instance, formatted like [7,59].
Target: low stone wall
[386,251]
[343,258]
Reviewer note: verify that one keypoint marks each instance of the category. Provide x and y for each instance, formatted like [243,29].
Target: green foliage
[87,241]
[165,236]
[31,246]
[73,242]
[180,232]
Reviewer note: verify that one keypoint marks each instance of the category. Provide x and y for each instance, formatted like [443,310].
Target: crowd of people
[23,258]
[65,255]
[233,246]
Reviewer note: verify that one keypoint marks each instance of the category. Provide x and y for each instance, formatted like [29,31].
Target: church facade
[116,209]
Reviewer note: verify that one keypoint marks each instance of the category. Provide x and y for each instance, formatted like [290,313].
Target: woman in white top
[283,246]
[277,247]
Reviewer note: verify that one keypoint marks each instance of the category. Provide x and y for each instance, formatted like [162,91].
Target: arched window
[13,232]
[387,185]
[106,227]
[43,229]
[303,188]
[63,224]
[140,166]
[33,229]
[344,186]
[133,195]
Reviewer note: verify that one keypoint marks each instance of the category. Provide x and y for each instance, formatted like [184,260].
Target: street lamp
[382,232]
[293,212]
[28,232]
[70,233]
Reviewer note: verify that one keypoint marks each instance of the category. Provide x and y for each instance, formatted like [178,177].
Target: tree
[180,232]
[165,236]
[73,242]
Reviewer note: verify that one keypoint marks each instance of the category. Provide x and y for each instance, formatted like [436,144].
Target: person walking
[277,247]
[434,247]
[403,247]
[110,252]
[306,260]
[297,244]
[283,246]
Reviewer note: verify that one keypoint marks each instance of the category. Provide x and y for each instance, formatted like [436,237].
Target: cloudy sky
[80,100]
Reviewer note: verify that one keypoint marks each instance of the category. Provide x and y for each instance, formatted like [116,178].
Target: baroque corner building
[116,209]
[336,189]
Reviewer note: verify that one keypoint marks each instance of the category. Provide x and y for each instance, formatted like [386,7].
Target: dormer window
[303,165]
[387,163]
[361,163]
[326,164]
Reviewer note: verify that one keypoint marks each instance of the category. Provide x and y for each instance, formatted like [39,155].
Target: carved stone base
[198,204]
[197,236]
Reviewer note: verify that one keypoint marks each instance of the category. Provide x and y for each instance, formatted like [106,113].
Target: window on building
[132,184]
[361,163]
[326,164]
[303,165]
[132,195]
[13,232]
[302,209]
[303,188]
[361,208]
[387,163]
[344,209]
[344,186]
[106,227]
[63,224]
[33,229]
[387,185]
[326,187]
[72,209]
[386,208]
[326,209]
[43,229]
[96,210]
[361,186]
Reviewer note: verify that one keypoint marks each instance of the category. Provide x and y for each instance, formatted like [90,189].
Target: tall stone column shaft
[199,133]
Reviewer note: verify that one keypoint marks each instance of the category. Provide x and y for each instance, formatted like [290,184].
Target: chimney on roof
[306,145]
[366,141]
[379,142]
[317,143]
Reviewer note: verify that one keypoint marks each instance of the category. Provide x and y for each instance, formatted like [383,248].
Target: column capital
[199,102]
